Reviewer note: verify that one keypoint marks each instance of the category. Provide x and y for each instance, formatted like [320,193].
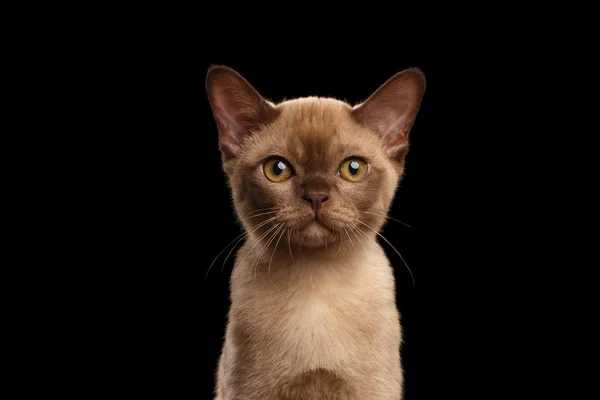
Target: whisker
[290,244]
[231,251]
[341,241]
[261,210]
[396,250]
[367,238]
[300,248]
[247,234]
[242,235]
[261,214]
[386,217]
[256,262]
[258,241]
[298,271]
[271,259]
[354,247]
[353,228]
[337,274]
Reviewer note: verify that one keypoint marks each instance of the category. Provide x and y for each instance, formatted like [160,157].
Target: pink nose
[316,200]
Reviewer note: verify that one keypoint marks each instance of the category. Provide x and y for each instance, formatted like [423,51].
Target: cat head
[316,168]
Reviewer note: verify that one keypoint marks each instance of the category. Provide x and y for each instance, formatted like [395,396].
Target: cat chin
[316,235]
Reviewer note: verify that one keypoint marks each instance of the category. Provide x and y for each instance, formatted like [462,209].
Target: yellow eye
[277,170]
[353,169]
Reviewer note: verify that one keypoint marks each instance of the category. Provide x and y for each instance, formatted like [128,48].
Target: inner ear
[238,108]
[391,110]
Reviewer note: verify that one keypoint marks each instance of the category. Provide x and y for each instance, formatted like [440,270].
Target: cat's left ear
[392,109]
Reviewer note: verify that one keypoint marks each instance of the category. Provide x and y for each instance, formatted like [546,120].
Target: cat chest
[311,332]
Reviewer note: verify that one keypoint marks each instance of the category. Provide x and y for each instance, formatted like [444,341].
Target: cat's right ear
[238,108]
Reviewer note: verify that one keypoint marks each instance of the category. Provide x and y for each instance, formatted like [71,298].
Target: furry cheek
[263,193]
[368,197]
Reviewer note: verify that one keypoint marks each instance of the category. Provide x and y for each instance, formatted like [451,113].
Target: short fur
[313,312]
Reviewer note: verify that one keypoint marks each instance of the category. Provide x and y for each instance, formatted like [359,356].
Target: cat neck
[280,261]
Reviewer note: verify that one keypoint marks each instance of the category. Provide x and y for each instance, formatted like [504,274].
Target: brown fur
[313,313]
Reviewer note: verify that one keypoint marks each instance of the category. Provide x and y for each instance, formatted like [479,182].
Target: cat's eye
[353,169]
[277,170]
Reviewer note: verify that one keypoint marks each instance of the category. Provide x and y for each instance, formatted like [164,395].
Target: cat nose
[315,200]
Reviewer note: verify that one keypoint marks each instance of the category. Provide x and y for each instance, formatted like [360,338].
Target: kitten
[313,312]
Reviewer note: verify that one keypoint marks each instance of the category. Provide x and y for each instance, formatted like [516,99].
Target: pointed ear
[238,108]
[392,109]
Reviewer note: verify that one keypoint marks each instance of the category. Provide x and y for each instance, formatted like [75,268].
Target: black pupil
[353,167]
[278,168]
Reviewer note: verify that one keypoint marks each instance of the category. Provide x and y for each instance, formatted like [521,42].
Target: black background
[141,199]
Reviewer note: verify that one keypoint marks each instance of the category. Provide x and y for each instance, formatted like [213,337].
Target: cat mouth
[317,221]
[312,225]
[312,232]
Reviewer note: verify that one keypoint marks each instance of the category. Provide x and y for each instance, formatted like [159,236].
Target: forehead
[316,130]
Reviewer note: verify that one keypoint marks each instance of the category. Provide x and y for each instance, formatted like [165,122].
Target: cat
[313,313]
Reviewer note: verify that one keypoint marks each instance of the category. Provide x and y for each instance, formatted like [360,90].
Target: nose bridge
[315,184]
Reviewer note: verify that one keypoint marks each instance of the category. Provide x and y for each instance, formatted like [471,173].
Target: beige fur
[313,313]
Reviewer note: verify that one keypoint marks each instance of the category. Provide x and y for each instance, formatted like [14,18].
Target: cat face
[315,168]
